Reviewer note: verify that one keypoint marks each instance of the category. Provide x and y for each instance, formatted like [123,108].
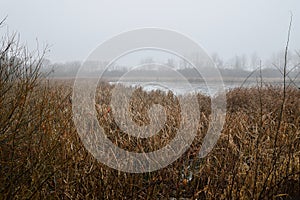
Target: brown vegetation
[41,155]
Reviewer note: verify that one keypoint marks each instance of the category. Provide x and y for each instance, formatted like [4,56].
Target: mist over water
[178,89]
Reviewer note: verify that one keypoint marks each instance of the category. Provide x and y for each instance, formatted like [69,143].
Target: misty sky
[232,27]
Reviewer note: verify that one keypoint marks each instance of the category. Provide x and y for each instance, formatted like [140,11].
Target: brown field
[256,157]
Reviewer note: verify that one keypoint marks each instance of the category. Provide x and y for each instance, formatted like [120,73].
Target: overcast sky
[232,27]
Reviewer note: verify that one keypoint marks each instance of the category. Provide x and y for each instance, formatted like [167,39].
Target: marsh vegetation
[42,156]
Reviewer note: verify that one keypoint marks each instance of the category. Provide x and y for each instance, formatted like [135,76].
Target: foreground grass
[256,157]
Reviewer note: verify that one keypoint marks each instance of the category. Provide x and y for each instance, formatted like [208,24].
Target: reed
[42,156]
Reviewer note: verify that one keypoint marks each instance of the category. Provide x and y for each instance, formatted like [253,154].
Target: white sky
[74,28]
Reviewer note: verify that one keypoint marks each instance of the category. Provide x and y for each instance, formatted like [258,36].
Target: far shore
[192,80]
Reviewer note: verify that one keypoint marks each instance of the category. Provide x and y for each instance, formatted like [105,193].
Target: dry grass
[42,155]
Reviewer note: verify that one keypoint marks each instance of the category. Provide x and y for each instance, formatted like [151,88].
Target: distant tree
[146,61]
[183,64]
[217,60]
[237,62]
[244,61]
[254,61]
[171,62]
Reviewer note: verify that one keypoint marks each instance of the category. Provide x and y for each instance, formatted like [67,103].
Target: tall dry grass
[41,155]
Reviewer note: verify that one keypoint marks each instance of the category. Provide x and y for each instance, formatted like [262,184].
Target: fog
[73,29]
